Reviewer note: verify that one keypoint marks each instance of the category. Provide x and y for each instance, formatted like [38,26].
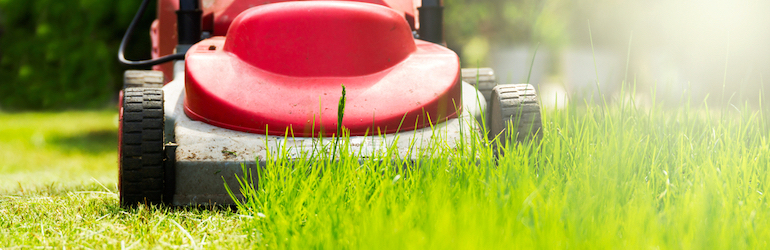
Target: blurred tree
[473,26]
[62,53]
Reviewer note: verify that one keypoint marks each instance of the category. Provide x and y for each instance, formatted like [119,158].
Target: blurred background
[61,54]
[670,51]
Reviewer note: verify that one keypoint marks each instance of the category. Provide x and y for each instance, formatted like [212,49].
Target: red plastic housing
[281,67]
[218,14]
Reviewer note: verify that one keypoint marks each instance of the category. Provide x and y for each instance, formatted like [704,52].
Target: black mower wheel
[514,106]
[141,170]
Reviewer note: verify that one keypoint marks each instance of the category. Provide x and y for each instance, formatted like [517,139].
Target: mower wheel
[143,79]
[141,170]
[482,78]
[514,107]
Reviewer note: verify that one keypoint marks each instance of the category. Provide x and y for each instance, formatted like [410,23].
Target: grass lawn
[602,177]
[57,150]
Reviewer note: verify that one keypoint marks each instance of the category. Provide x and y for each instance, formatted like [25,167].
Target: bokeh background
[61,54]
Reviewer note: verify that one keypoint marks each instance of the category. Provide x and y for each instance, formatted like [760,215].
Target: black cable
[130,32]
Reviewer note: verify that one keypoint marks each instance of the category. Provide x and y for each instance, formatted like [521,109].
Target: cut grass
[58,182]
[57,149]
[601,177]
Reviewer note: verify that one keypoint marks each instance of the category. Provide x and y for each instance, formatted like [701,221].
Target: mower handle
[189,25]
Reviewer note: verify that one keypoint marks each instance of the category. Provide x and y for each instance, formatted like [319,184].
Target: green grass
[58,182]
[57,149]
[612,177]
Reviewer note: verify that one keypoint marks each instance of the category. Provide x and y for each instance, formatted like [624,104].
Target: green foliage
[471,25]
[58,54]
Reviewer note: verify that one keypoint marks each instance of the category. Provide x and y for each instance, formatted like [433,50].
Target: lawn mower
[234,81]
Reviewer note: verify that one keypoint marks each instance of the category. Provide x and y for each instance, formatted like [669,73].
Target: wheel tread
[142,171]
[517,105]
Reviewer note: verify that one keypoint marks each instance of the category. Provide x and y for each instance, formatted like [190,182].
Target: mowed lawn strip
[59,149]
[58,188]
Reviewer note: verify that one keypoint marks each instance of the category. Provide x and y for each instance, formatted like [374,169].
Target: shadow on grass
[91,142]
